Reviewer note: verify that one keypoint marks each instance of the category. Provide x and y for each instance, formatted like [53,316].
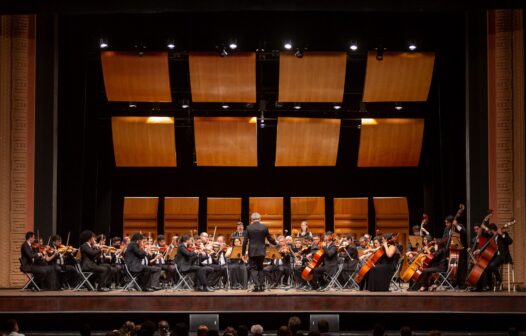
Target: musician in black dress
[330,262]
[379,277]
[186,261]
[46,276]
[89,254]
[255,239]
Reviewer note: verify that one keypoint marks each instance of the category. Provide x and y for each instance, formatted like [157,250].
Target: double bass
[455,245]
[487,252]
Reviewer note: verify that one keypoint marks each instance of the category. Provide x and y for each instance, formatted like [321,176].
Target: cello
[487,252]
[366,267]
[422,260]
[317,258]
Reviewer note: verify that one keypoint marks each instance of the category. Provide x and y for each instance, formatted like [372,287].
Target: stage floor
[277,300]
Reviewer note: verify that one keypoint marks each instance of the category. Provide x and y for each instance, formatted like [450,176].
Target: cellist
[330,261]
[437,264]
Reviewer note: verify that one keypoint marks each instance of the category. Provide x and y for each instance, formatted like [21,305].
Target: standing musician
[304,230]
[255,238]
[33,262]
[330,262]
[240,231]
[503,256]
[90,251]
[134,259]
[186,259]
[451,226]
[438,252]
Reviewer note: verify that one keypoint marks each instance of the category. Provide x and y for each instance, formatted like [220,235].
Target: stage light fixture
[132,105]
[398,107]
[287,45]
[223,52]
[379,54]
[232,45]
[170,45]
[262,122]
[103,43]
[298,53]
[354,46]
[297,106]
[185,103]
[337,106]
[225,106]
[412,46]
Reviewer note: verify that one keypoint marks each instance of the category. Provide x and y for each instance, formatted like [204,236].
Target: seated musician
[413,251]
[90,251]
[186,260]
[330,262]
[279,267]
[135,257]
[63,263]
[370,250]
[175,242]
[166,266]
[46,276]
[304,230]
[105,258]
[240,231]
[502,256]
[349,253]
[379,277]
[438,252]
[237,267]
[117,261]
[302,259]
[209,258]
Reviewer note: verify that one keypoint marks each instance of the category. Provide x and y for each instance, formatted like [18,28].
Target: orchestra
[252,258]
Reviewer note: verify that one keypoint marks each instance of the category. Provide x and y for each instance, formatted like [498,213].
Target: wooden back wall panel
[226,141]
[129,77]
[137,143]
[181,215]
[351,215]
[223,213]
[311,209]
[317,77]
[390,142]
[399,77]
[223,79]
[392,216]
[140,215]
[271,211]
[307,141]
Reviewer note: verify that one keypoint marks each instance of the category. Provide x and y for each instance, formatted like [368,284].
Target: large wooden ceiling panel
[139,142]
[307,141]
[390,142]
[223,79]
[226,141]
[399,77]
[317,77]
[133,78]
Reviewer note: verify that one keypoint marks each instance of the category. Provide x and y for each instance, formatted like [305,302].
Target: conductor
[255,236]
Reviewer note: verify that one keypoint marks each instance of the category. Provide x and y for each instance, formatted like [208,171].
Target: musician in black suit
[255,238]
[452,225]
[89,253]
[502,256]
[186,262]
[136,260]
[32,262]
[330,262]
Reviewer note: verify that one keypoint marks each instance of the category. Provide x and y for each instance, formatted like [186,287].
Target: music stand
[236,253]
[172,254]
[272,253]
[416,242]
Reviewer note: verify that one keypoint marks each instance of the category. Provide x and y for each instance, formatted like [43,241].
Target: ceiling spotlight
[398,107]
[223,52]
[232,45]
[412,46]
[132,105]
[298,53]
[297,106]
[379,54]
[170,45]
[103,43]
[354,46]
[337,106]
[185,103]
[225,106]
[287,45]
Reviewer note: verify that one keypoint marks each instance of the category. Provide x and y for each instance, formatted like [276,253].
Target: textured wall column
[506,127]
[17,97]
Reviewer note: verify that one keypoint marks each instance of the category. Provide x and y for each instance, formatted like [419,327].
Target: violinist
[32,262]
[117,260]
[302,259]
[370,250]
[279,266]
[134,258]
[330,262]
[304,230]
[379,277]
[237,267]
[349,253]
[62,260]
[89,253]
[166,266]
[437,250]
[175,242]
[219,257]
[186,258]
[452,225]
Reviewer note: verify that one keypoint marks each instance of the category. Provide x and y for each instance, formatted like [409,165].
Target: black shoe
[103,289]
[207,289]
[148,289]
[156,288]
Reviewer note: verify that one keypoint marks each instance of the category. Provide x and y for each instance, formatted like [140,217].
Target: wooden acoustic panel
[317,77]
[223,213]
[140,215]
[392,216]
[351,215]
[226,141]
[181,216]
[137,143]
[310,209]
[271,211]
[223,79]
[132,78]
[390,142]
[399,77]
[307,141]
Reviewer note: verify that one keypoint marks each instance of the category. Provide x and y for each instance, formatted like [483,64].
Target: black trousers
[255,264]
[318,272]
[201,274]
[46,276]
[426,279]
[102,274]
